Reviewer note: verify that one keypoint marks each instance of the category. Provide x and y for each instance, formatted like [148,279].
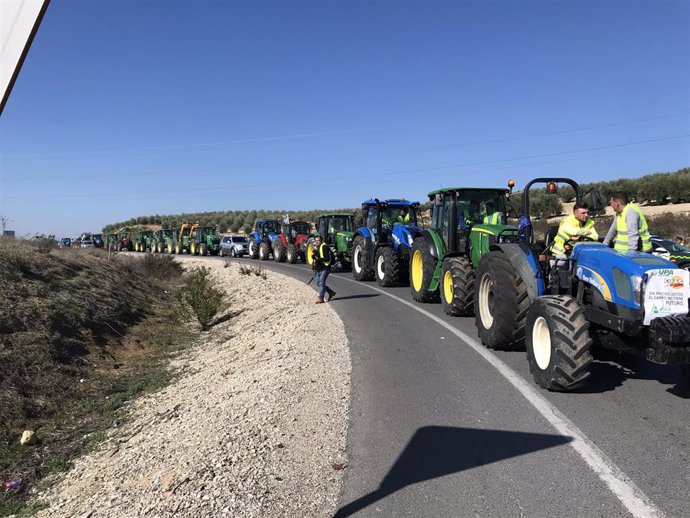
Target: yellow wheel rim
[310,251]
[448,287]
[192,249]
[417,270]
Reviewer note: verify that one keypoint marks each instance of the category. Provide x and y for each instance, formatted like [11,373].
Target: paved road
[441,427]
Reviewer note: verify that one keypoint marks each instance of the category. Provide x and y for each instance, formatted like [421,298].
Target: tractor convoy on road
[480,258]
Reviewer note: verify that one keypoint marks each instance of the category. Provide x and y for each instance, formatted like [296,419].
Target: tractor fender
[401,236]
[272,237]
[283,238]
[368,236]
[256,236]
[526,263]
[434,242]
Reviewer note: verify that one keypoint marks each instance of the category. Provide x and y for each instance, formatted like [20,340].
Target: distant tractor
[336,230]
[381,248]
[465,222]
[163,240]
[291,244]
[261,240]
[143,239]
[183,237]
[205,241]
[124,240]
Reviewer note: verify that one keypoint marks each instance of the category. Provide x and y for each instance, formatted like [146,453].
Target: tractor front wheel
[278,251]
[457,284]
[500,303]
[264,251]
[178,248]
[203,250]
[291,253]
[253,249]
[422,266]
[558,343]
[360,260]
[387,267]
[310,252]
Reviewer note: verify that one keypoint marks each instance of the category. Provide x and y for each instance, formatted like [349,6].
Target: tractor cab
[336,230]
[294,229]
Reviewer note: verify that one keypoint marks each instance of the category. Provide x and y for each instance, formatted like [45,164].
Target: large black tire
[457,287]
[360,260]
[278,251]
[203,250]
[422,266]
[500,303]
[387,267]
[253,249]
[558,343]
[292,254]
[178,248]
[264,251]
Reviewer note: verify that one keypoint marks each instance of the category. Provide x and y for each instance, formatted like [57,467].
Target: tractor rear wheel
[457,287]
[292,253]
[360,260]
[422,266]
[203,250]
[278,251]
[264,251]
[387,267]
[178,248]
[500,303]
[253,249]
[558,343]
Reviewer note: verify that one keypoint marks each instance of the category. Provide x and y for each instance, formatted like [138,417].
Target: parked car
[672,251]
[234,246]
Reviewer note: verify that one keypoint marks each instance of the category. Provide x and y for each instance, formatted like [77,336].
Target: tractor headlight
[410,239]
[637,288]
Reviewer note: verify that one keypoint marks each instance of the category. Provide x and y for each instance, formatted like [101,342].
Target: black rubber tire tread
[462,304]
[428,267]
[391,267]
[178,248]
[264,251]
[571,357]
[278,251]
[202,250]
[291,253]
[253,249]
[359,245]
[507,332]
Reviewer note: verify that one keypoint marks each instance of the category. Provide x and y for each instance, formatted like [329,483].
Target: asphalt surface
[437,431]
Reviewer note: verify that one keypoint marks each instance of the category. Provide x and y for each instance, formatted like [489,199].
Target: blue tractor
[382,247]
[261,240]
[557,309]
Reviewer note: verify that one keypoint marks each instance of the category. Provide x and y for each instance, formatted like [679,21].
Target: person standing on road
[629,229]
[322,261]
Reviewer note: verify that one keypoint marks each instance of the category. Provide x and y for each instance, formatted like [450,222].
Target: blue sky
[127,108]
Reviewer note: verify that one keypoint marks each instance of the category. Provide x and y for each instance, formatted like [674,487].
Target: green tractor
[183,237]
[465,222]
[163,241]
[204,241]
[143,239]
[337,231]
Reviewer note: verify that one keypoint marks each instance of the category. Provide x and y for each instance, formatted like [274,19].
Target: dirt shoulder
[254,426]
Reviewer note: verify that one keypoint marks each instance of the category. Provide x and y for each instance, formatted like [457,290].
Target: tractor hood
[403,234]
[617,276]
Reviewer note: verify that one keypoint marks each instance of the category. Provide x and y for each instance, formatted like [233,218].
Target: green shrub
[163,267]
[199,298]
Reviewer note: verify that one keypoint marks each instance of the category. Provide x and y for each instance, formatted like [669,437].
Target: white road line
[631,496]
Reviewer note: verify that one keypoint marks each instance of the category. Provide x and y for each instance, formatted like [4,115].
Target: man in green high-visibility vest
[629,231]
[492,217]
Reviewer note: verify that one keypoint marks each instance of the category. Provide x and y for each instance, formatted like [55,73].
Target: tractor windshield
[300,228]
[403,214]
[271,226]
[340,224]
[167,232]
[481,207]
[209,231]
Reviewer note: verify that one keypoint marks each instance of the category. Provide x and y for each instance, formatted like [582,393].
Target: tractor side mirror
[597,203]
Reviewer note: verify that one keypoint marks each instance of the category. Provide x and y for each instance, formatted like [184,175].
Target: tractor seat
[550,236]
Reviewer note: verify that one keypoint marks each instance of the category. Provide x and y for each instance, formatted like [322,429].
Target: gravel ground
[255,426]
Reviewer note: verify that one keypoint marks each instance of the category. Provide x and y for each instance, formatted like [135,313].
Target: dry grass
[80,333]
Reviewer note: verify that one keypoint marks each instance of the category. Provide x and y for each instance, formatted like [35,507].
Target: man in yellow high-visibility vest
[574,227]
[492,217]
[629,230]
